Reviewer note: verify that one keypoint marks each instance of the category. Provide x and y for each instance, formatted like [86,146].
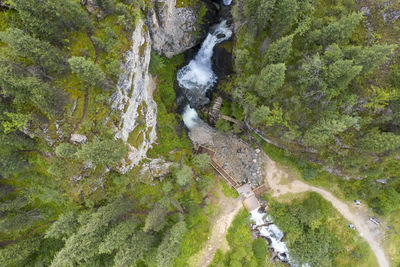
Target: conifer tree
[278,51]
[107,151]
[285,15]
[170,245]
[271,78]
[88,72]
[51,18]
[379,142]
[259,12]
[340,30]
[39,52]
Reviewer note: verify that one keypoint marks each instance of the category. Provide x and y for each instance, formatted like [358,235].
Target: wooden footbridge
[245,191]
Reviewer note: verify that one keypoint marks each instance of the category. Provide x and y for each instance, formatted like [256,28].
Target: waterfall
[190,117]
[197,77]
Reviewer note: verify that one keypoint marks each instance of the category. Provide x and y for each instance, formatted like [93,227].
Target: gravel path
[227,210]
[282,186]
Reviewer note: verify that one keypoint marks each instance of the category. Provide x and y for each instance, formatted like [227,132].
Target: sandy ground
[281,183]
[227,210]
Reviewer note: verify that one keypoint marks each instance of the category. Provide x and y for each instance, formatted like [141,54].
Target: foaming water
[271,232]
[190,117]
[198,75]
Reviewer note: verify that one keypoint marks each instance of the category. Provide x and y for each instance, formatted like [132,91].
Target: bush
[183,175]
[202,162]
[260,249]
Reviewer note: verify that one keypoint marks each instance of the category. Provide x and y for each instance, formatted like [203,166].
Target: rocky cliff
[134,100]
[175,29]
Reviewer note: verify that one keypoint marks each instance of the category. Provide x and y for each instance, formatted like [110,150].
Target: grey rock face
[390,15]
[78,138]
[173,29]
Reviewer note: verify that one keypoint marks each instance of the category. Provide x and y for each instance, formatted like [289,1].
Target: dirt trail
[281,183]
[227,210]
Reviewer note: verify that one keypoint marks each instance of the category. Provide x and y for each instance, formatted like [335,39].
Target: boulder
[78,138]
[174,30]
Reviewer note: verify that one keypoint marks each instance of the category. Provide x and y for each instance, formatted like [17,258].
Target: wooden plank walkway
[232,182]
[260,190]
[224,174]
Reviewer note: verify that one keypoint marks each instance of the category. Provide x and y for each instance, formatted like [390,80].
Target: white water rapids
[271,232]
[190,117]
[198,76]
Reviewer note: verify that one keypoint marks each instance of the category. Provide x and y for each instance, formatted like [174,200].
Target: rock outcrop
[133,98]
[78,138]
[174,29]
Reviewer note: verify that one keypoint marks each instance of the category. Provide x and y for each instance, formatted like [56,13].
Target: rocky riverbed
[237,158]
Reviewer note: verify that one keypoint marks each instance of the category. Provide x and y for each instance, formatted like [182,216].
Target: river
[196,79]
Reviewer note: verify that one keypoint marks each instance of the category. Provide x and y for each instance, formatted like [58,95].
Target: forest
[318,83]
[320,79]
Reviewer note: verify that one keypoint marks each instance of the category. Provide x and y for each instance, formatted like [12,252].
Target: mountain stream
[198,77]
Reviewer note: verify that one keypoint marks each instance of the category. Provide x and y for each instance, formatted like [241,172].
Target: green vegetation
[244,251]
[335,100]
[316,234]
[313,87]
[65,203]
[309,75]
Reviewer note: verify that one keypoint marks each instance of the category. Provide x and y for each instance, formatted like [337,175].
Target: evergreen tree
[65,150]
[279,51]
[379,142]
[25,90]
[108,152]
[11,160]
[341,30]
[170,245]
[271,78]
[202,162]
[258,12]
[260,115]
[183,175]
[371,57]
[310,77]
[119,236]
[87,71]
[106,5]
[326,128]
[135,249]
[17,253]
[49,19]
[33,49]
[155,220]
[82,246]
[284,17]
[242,56]
[64,227]
[338,75]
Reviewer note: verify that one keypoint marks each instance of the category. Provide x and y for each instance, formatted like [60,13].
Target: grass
[186,3]
[227,190]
